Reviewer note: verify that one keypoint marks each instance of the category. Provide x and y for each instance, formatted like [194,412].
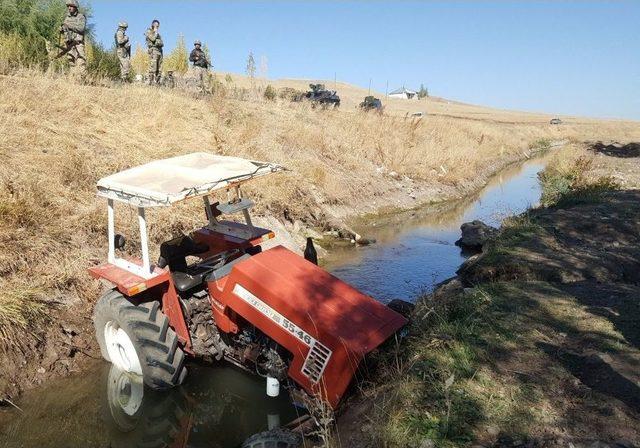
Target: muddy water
[103,407]
[222,406]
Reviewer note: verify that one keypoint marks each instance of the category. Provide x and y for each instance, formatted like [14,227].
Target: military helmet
[123,25]
[197,43]
[73,3]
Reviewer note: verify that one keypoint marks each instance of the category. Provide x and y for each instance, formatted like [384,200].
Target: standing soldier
[123,50]
[154,47]
[200,63]
[72,30]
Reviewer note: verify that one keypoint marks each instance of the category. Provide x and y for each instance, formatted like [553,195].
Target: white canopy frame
[145,271]
[165,182]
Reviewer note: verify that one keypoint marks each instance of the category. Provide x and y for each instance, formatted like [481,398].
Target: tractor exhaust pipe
[310,253]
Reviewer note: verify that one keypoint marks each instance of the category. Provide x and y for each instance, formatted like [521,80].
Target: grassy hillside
[58,138]
[351,96]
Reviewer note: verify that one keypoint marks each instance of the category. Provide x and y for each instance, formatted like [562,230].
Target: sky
[570,58]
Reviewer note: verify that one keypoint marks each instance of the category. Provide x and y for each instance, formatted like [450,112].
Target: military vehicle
[320,95]
[371,103]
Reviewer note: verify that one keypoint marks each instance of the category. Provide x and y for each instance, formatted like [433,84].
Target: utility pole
[386,90]
[369,91]
[335,81]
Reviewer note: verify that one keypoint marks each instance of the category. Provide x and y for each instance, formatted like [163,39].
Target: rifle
[63,49]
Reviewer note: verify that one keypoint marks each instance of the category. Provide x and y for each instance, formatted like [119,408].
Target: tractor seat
[185,282]
[174,254]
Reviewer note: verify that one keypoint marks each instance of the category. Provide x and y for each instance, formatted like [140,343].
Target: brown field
[351,96]
[58,138]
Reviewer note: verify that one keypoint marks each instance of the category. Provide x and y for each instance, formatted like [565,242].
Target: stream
[220,406]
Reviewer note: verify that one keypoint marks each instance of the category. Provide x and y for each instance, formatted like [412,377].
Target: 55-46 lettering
[297,332]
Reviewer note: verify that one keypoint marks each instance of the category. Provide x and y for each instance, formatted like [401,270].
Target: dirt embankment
[536,342]
[58,139]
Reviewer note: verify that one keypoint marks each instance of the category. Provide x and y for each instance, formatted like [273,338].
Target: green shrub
[269,93]
[102,63]
[565,185]
[25,28]
[540,144]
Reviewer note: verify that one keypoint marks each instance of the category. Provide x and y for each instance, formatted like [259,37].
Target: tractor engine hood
[327,325]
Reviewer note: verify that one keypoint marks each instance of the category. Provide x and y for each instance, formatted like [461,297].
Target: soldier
[73,29]
[154,47]
[200,63]
[123,50]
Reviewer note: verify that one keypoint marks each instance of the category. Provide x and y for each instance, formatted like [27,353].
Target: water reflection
[217,407]
[416,250]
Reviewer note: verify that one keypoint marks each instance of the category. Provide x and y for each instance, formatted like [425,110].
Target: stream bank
[535,342]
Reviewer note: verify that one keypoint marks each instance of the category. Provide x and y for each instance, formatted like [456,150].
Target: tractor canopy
[167,181]
[164,182]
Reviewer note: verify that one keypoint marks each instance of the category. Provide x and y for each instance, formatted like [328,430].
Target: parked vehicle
[320,95]
[371,103]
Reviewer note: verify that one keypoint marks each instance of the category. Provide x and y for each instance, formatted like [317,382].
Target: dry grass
[57,139]
[22,310]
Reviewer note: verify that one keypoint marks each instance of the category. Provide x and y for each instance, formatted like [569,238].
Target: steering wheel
[217,260]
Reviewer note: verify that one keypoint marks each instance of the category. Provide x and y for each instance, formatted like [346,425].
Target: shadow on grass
[589,241]
[525,358]
[597,374]
[628,150]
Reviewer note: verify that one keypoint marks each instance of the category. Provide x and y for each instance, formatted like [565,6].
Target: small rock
[448,288]
[70,330]
[41,370]
[402,307]
[427,443]
[475,235]
[605,358]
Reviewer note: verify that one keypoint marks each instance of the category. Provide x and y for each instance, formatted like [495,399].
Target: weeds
[270,93]
[21,310]
[541,144]
[446,391]
[567,184]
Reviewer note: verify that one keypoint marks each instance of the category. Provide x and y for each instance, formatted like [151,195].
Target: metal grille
[316,361]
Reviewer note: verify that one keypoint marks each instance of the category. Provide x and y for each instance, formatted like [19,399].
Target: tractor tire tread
[156,342]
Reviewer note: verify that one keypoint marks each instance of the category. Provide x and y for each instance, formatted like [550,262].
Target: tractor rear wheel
[274,438]
[138,339]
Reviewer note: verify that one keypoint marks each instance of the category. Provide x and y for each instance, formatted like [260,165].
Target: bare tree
[264,67]
[251,67]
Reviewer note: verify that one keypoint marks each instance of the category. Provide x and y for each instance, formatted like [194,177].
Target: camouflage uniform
[73,29]
[154,48]
[200,64]
[123,50]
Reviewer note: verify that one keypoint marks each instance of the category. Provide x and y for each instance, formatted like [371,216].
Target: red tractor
[215,294]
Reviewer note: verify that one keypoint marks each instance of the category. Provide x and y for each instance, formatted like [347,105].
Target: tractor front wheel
[138,339]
